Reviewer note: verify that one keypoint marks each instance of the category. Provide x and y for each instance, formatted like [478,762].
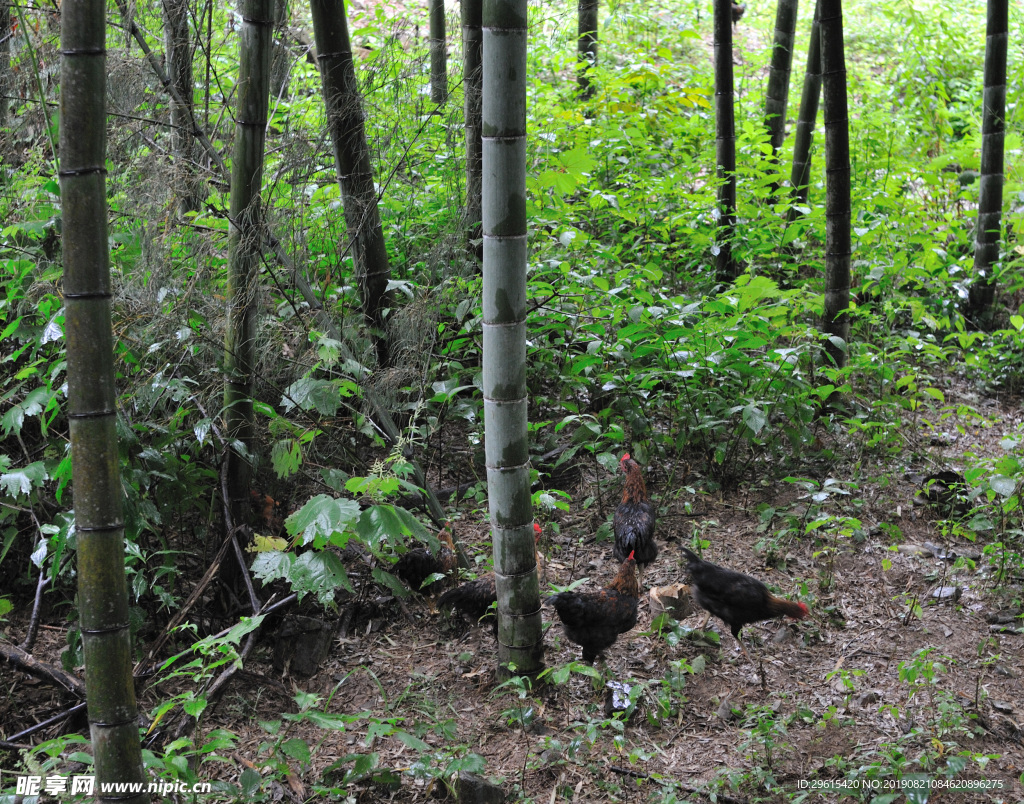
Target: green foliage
[326,522]
[632,346]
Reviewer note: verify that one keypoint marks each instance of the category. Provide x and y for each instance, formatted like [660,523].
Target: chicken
[542,562]
[737,12]
[735,598]
[419,563]
[594,620]
[633,523]
[475,598]
[268,513]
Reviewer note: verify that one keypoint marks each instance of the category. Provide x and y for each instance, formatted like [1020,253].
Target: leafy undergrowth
[805,475]
[883,686]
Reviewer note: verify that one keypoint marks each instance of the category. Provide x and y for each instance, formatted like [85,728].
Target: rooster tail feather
[790,608]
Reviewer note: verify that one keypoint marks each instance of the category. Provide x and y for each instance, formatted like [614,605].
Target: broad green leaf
[1003,485]
[296,749]
[22,481]
[380,523]
[320,572]
[322,517]
[397,588]
[286,457]
[195,707]
[754,418]
[328,720]
[411,741]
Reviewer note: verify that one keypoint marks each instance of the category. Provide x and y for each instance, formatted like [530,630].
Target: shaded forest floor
[823,695]
[868,620]
[846,688]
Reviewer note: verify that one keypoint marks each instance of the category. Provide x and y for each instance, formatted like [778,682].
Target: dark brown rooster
[634,518]
[735,598]
[594,620]
[419,563]
[474,599]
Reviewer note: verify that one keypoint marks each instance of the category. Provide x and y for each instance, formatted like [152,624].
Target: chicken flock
[594,620]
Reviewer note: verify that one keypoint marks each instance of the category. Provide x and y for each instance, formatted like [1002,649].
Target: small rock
[725,711]
[868,698]
[948,593]
[951,554]
[1002,706]
[473,789]
[914,550]
[538,727]
[1004,629]
[551,755]
[939,552]
[784,634]
[1004,671]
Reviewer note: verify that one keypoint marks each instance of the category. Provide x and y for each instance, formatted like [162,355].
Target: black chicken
[594,620]
[634,518]
[735,598]
[475,598]
[419,563]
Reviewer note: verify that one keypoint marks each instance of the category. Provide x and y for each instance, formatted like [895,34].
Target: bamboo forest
[493,401]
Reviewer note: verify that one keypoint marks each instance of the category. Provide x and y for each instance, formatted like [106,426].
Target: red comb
[630,555]
[536,528]
[625,457]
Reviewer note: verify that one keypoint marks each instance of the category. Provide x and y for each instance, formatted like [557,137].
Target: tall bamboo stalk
[725,141]
[178,45]
[438,53]
[352,158]
[281,61]
[6,75]
[520,639]
[800,177]
[472,88]
[777,95]
[256,40]
[92,406]
[993,133]
[180,102]
[586,46]
[838,244]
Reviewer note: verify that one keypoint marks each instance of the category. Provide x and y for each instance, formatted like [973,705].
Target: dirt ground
[872,609]
[436,676]
[867,619]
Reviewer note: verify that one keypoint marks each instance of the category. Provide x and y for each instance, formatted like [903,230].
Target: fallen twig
[676,785]
[30,664]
